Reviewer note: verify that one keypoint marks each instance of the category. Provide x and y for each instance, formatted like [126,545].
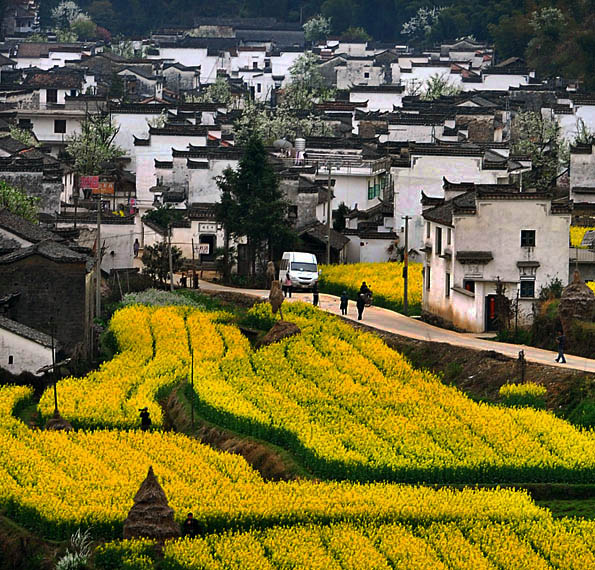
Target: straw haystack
[151,516]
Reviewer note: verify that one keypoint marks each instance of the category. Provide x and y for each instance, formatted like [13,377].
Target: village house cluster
[392,155]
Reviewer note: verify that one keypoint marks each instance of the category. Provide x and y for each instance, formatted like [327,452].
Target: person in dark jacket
[561,347]
[190,527]
[360,304]
[195,279]
[344,302]
[315,295]
[364,289]
[145,419]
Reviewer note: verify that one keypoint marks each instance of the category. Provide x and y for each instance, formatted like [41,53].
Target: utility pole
[98,263]
[328,216]
[54,368]
[193,268]
[192,386]
[406,267]
[171,266]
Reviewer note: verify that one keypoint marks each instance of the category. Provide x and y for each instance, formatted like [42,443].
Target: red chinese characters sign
[86,182]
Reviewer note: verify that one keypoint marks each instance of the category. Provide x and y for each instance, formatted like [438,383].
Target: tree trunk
[226,268]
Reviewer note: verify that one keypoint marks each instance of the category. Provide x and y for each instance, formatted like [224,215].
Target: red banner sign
[89,182]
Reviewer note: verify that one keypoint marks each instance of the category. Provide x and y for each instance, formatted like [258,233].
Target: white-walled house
[582,173]
[378,98]
[23,349]
[424,167]
[479,235]
[158,147]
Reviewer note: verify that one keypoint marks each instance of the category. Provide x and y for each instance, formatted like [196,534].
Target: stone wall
[48,290]
[34,184]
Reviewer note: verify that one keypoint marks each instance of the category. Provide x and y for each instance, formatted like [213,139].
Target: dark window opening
[52,95]
[528,289]
[60,126]
[469,285]
[428,276]
[11,359]
[438,241]
[527,238]
[447,285]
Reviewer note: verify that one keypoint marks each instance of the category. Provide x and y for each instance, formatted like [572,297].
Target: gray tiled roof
[23,228]
[48,249]
[25,331]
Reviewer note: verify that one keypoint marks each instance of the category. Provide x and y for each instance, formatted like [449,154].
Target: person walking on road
[136,247]
[561,347]
[360,304]
[286,286]
[315,295]
[344,302]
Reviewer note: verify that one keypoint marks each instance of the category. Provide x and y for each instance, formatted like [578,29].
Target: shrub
[529,394]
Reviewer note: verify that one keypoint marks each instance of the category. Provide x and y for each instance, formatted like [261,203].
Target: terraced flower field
[474,544]
[341,401]
[348,407]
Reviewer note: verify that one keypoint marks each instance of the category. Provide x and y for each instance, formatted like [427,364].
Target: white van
[302,269]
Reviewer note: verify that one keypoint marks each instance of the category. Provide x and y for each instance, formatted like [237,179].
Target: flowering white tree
[421,24]
[65,13]
[317,29]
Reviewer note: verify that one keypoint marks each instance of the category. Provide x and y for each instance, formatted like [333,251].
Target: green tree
[102,13]
[540,139]
[155,259]
[17,202]
[83,27]
[23,135]
[549,27]
[282,122]
[164,215]
[438,86]
[306,85]
[218,92]
[340,13]
[355,34]
[317,29]
[252,205]
[93,150]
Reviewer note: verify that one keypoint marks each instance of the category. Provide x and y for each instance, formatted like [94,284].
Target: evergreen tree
[252,205]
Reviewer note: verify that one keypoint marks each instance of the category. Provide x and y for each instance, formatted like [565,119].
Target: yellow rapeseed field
[385,280]
[340,400]
[577,233]
[473,544]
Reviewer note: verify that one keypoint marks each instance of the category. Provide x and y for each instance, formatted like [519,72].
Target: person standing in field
[561,347]
[145,419]
[360,304]
[190,527]
[344,302]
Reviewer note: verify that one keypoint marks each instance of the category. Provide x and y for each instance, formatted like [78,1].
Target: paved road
[390,321]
